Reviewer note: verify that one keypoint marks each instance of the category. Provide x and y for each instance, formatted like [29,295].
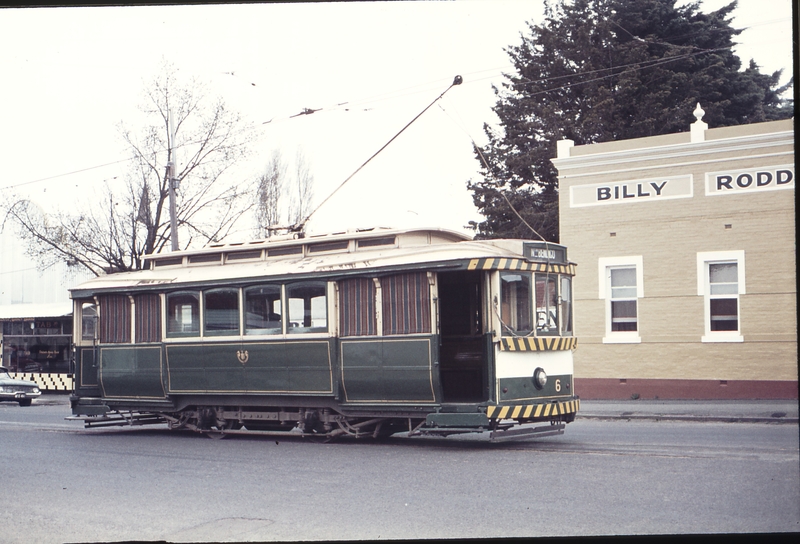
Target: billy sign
[750,180]
[597,194]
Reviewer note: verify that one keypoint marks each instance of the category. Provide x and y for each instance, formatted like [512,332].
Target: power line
[418,89]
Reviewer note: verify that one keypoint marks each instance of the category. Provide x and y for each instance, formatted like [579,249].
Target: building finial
[698,128]
[699,112]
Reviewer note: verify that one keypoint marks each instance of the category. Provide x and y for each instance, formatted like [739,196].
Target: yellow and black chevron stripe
[531,411]
[46,382]
[540,343]
[497,263]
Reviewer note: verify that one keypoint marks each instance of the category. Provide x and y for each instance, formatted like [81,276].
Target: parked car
[21,391]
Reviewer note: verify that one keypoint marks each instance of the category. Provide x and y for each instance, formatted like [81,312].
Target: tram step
[522,433]
[456,420]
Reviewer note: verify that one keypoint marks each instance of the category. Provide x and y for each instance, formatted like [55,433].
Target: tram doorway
[463,348]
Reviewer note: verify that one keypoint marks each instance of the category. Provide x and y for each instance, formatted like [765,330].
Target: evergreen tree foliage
[603,70]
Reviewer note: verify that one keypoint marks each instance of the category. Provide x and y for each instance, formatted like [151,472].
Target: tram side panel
[388,370]
[132,372]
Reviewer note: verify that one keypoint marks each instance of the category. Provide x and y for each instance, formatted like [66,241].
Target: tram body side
[438,351]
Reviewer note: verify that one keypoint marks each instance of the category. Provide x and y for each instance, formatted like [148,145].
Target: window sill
[622,339]
[712,338]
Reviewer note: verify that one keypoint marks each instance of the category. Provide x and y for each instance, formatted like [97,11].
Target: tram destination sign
[545,252]
[639,190]
[750,180]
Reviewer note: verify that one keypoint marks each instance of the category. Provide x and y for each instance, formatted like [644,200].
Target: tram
[363,333]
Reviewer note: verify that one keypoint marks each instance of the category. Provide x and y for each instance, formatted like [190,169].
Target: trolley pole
[173,220]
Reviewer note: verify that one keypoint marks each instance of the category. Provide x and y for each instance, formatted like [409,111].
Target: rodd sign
[750,180]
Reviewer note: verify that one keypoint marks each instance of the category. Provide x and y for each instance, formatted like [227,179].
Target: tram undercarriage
[327,424]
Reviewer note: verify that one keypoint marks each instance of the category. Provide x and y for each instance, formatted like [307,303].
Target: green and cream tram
[364,333]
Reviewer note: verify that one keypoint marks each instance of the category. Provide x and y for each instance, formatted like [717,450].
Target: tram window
[183,314]
[221,312]
[263,310]
[88,321]
[308,307]
[515,306]
[565,305]
[546,304]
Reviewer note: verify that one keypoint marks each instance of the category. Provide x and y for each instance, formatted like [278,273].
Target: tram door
[463,349]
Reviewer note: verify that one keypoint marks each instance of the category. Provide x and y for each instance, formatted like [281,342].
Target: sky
[70,76]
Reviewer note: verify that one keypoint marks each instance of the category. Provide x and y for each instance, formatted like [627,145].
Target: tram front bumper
[563,410]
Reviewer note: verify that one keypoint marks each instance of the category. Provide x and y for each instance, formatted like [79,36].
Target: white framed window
[621,285]
[720,281]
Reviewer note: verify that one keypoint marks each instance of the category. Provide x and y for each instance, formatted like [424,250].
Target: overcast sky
[70,75]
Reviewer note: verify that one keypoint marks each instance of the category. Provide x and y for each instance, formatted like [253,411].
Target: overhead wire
[408,91]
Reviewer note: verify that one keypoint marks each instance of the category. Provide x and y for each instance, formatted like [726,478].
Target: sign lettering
[631,191]
[750,180]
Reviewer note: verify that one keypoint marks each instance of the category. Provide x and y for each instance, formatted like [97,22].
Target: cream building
[685,245]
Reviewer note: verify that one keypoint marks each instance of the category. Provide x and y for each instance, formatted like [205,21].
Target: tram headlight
[539,378]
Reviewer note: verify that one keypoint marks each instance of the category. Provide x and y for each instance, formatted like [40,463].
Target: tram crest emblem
[243,356]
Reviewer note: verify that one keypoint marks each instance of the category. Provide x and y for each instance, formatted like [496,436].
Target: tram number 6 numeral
[558,385]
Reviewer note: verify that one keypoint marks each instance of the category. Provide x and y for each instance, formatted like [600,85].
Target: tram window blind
[148,318]
[115,319]
[406,304]
[357,316]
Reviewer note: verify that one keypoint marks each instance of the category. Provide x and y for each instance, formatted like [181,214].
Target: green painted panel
[523,388]
[223,370]
[387,370]
[292,366]
[207,367]
[88,369]
[256,367]
[131,372]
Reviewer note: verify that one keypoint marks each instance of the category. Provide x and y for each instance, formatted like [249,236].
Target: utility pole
[173,220]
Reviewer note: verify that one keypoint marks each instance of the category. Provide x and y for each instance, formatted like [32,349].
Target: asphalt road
[62,483]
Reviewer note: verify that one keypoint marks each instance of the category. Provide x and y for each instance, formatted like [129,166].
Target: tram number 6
[558,385]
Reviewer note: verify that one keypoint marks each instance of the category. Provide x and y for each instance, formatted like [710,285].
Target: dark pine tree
[602,70]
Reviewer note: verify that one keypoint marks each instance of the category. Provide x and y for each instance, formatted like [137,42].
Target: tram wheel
[217,431]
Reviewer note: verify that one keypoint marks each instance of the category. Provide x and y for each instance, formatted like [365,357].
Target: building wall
[22,281]
[31,297]
[669,359]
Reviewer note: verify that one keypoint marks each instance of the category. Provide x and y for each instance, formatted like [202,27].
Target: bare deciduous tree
[281,198]
[132,220]
[270,186]
[304,189]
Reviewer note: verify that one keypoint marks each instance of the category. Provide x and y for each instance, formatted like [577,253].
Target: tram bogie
[361,334]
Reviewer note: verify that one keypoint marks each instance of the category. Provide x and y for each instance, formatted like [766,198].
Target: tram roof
[335,255]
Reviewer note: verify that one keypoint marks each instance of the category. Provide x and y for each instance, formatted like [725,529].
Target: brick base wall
[618,389]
